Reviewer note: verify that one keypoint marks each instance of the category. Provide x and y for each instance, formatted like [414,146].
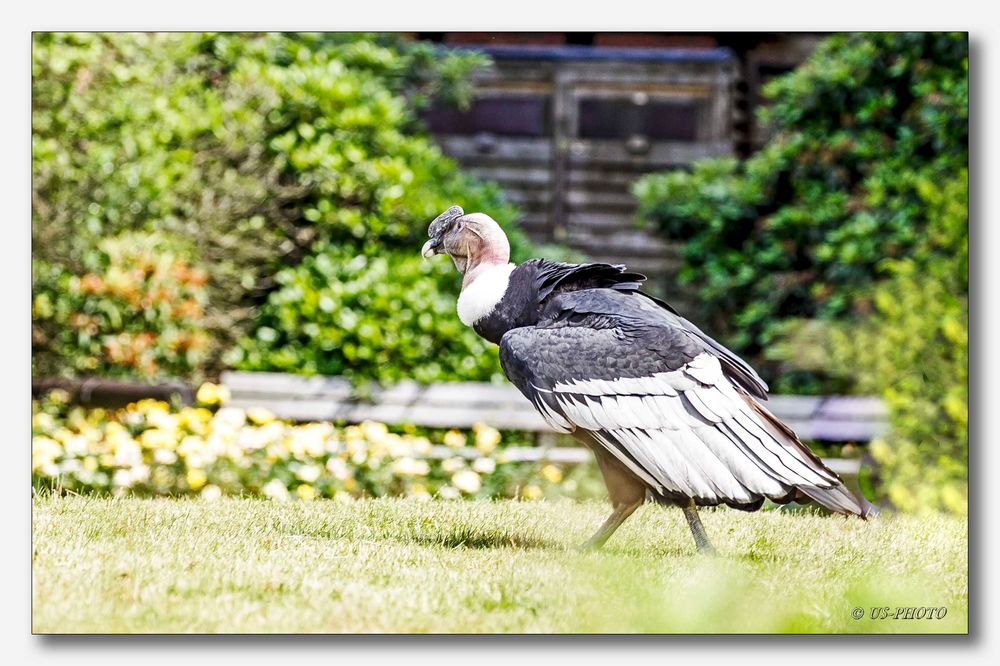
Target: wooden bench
[461,404]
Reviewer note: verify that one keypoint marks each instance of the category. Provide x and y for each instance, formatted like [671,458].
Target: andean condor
[669,412]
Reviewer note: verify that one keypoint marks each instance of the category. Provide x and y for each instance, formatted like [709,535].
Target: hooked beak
[430,248]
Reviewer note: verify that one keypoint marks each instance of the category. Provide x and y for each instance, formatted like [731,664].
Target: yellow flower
[309,473]
[418,492]
[229,417]
[127,452]
[163,478]
[531,492]
[62,434]
[420,497]
[467,481]
[59,396]
[76,446]
[447,492]
[155,439]
[115,428]
[487,438]
[552,474]
[422,445]
[164,456]
[42,421]
[122,478]
[90,464]
[306,492]
[356,446]
[275,490]
[212,394]
[453,464]
[407,466]
[211,492]
[260,415]
[149,406]
[338,468]
[196,478]
[398,447]
[194,419]
[140,472]
[192,444]
[374,432]
[454,439]
[48,469]
[484,465]
[308,440]
[44,451]
[955,500]
[163,420]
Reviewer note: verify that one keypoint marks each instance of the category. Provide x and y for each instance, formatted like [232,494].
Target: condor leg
[697,529]
[614,521]
[625,491]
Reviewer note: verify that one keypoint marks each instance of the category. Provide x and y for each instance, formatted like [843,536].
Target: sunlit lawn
[242,565]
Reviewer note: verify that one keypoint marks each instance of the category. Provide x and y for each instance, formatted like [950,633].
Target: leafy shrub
[149,448]
[139,311]
[258,146]
[914,351]
[800,230]
[366,316]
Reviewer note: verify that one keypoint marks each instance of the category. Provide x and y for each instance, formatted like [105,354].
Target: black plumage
[669,412]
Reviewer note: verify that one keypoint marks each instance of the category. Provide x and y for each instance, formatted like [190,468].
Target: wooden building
[566,122]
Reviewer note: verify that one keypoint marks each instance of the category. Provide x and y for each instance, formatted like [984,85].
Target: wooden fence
[461,404]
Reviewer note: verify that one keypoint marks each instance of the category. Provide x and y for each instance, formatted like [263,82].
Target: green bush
[840,250]
[139,311]
[366,315]
[914,351]
[256,146]
[800,230]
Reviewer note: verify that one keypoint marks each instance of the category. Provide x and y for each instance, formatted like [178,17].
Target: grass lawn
[245,565]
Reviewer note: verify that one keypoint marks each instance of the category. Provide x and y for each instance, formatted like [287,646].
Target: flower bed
[151,448]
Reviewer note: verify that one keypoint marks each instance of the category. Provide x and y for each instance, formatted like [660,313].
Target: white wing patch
[687,431]
[480,298]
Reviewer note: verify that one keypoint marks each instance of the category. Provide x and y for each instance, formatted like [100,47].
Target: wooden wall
[567,122]
[566,134]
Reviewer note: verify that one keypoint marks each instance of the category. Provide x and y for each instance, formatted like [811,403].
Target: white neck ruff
[481,297]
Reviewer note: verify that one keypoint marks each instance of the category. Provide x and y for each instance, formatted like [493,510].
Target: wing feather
[689,430]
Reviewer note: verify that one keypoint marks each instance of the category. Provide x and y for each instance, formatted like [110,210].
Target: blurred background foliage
[244,155]
[139,309]
[836,258]
[202,201]
[152,448]
[365,315]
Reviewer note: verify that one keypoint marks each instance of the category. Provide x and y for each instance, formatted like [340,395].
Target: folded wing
[659,400]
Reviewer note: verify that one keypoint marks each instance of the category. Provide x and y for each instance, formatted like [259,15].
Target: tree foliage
[841,248]
[139,309]
[367,315]
[249,150]
[800,229]
[914,351]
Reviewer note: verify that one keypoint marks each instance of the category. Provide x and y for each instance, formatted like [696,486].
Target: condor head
[474,241]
